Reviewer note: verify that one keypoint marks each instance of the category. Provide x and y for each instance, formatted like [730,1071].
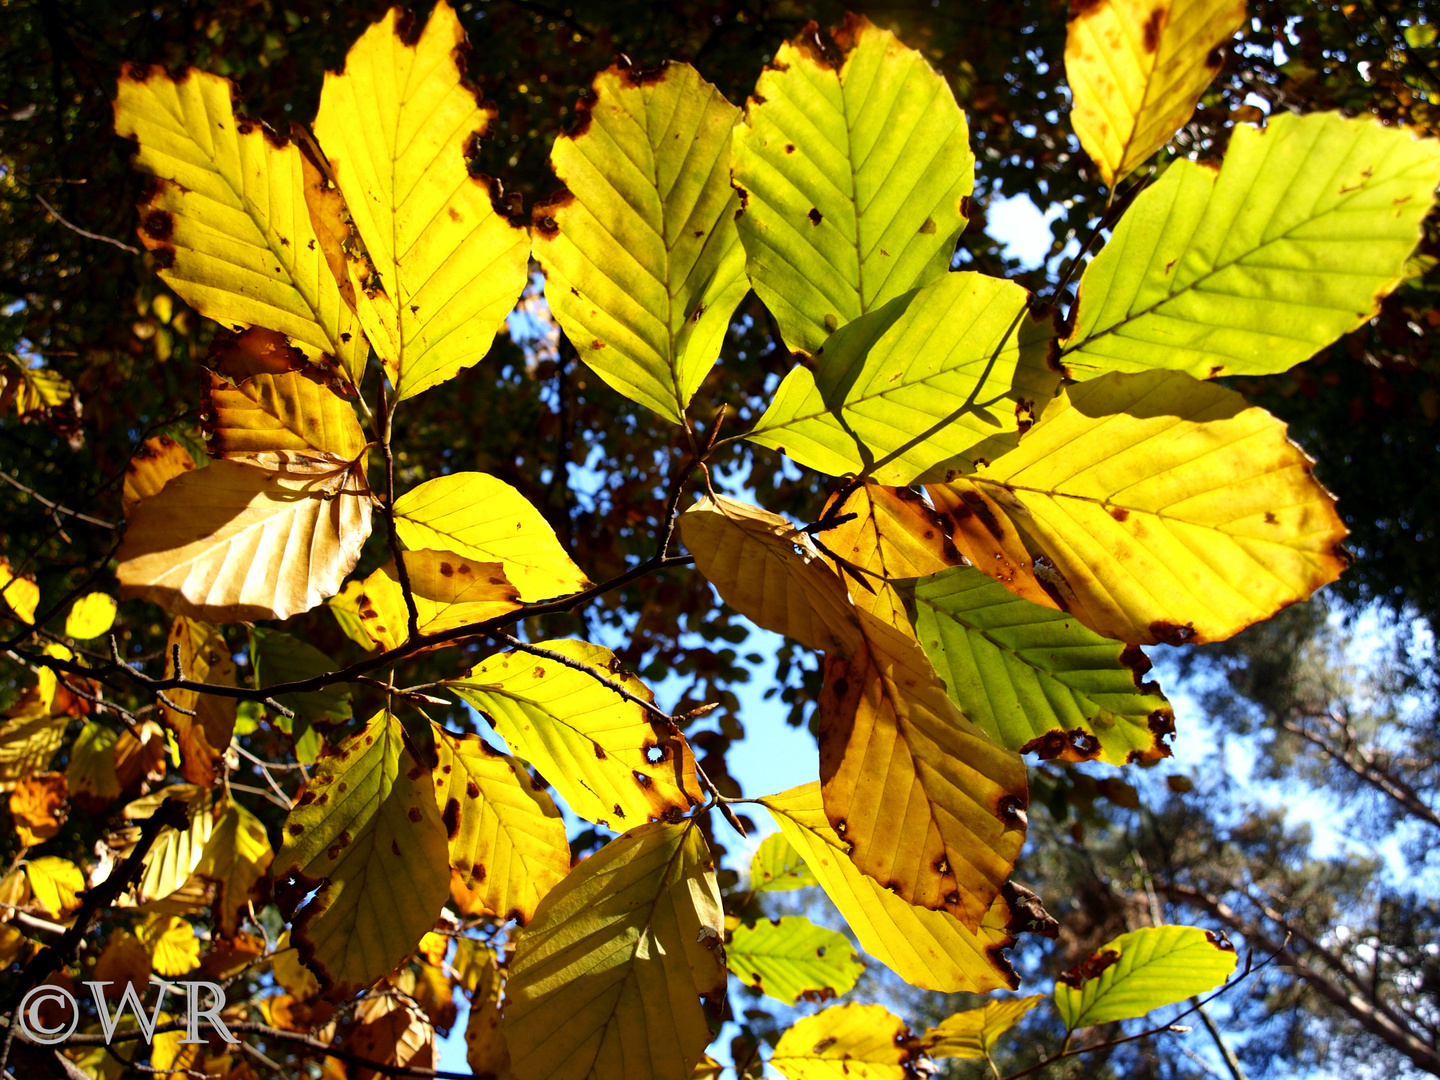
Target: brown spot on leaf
[928,229]
[414,773]
[451,818]
[789,148]
[1154,26]
[1215,58]
[1270,518]
[1027,913]
[295,828]
[815,216]
[1172,633]
[1219,940]
[965,206]
[1011,811]
[472,789]
[414,814]
[1119,513]
[1089,969]
[619,811]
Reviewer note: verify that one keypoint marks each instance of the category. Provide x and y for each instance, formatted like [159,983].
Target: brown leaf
[204,737]
[392,1031]
[38,806]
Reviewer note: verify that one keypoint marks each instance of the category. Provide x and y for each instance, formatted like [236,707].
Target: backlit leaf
[776,866]
[1140,971]
[1170,510]
[29,739]
[159,461]
[917,383]
[485,1050]
[92,615]
[236,541]
[1034,678]
[203,738]
[55,884]
[281,658]
[506,836]
[984,532]
[974,1033]
[858,1042]
[636,929]
[236,857]
[174,948]
[297,411]
[770,572]
[929,949]
[298,980]
[227,219]
[792,958]
[610,760]
[931,806]
[368,833]
[450,591]
[392,1031]
[32,389]
[855,172]
[441,266]
[483,518]
[642,261]
[1137,68]
[1294,242]
[20,592]
[176,853]
[38,807]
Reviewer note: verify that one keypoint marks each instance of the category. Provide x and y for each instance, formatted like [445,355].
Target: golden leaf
[204,737]
[294,411]
[55,884]
[867,1042]
[450,591]
[159,461]
[38,806]
[91,616]
[174,948]
[21,593]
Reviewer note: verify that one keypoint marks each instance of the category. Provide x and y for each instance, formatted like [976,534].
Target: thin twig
[85,232]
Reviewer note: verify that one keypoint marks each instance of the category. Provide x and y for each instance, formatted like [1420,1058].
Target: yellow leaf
[174,948]
[297,411]
[368,833]
[297,980]
[770,572]
[707,1069]
[929,949]
[227,218]
[974,1033]
[21,593]
[893,535]
[1170,509]
[392,1031]
[442,266]
[636,928]
[859,1042]
[236,858]
[345,606]
[610,760]
[985,534]
[160,460]
[507,840]
[168,1052]
[29,739]
[1136,68]
[238,541]
[13,944]
[473,964]
[777,866]
[38,806]
[176,852]
[90,776]
[204,737]
[450,591]
[92,615]
[642,259]
[34,389]
[481,517]
[930,805]
[485,1049]
[55,883]
[124,961]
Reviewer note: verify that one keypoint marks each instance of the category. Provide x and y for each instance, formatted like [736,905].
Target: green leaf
[1250,271]
[280,658]
[366,837]
[606,980]
[777,866]
[854,170]
[973,1034]
[910,387]
[642,261]
[929,949]
[1034,678]
[1140,971]
[866,1042]
[610,760]
[791,958]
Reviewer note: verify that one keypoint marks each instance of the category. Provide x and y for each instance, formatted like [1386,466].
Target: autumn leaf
[485,1049]
[90,775]
[791,958]
[237,541]
[205,736]
[914,386]
[236,857]
[90,616]
[974,1033]
[776,866]
[642,260]
[226,217]
[867,1042]
[38,806]
[1136,71]
[770,572]
[367,838]
[929,949]
[19,591]
[507,840]
[450,591]
[55,884]
[293,411]
[159,461]
[611,761]
[30,737]
[174,948]
[1168,509]
[855,171]
[391,1031]
[31,389]
[442,264]
[1251,270]
[280,658]
[637,928]
[176,853]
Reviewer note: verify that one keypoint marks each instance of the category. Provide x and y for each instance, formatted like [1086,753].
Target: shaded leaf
[204,737]
[1140,971]
[642,260]
[368,835]
[236,858]
[610,760]
[37,805]
[485,1050]
[855,173]
[1307,225]
[636,928]
[280,658]
[440,268]
[914,386]
[790,958]
[974,1033]
[929,949]
[29,739]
